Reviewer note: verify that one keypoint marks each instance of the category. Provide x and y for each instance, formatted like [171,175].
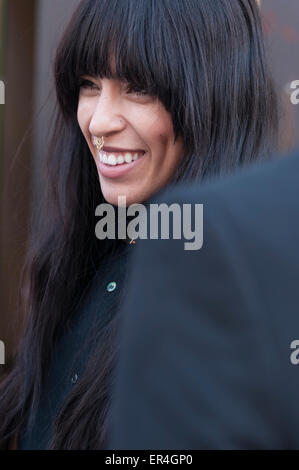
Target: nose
[107,118]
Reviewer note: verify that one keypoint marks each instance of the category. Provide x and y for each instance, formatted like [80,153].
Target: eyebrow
[91,75]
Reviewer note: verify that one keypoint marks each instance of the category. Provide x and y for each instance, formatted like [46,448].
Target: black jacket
[206,350]
[81,335]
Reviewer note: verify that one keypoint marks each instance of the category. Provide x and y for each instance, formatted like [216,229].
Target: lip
[116,149]
[118,170]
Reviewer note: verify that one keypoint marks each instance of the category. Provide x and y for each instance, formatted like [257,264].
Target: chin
[112,198]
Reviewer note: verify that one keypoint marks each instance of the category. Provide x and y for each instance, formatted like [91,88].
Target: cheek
[161,131]
[156,127]
[84,114]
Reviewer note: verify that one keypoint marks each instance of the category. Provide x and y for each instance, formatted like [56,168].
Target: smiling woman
[179,90]
[140,154]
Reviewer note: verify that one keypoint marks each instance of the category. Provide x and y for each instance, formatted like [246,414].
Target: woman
[182,86]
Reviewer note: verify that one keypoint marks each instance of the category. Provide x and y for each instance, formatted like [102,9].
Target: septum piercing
[99,143]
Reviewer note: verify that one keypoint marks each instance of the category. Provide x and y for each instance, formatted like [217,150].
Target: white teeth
[118,160]
[112,160]
[128,158]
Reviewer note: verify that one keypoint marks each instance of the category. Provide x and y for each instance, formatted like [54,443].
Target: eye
[88,85]
[136,90]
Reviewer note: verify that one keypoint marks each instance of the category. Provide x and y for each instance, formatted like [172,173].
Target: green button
[75,379]
[111,286]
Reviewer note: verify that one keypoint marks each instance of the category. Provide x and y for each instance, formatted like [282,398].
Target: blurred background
[29,32]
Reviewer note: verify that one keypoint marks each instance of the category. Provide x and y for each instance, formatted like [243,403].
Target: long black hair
[205,61]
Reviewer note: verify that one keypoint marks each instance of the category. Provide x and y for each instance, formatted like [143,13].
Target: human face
[132,123]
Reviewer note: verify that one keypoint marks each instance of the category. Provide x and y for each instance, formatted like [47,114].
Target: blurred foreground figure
[209,358]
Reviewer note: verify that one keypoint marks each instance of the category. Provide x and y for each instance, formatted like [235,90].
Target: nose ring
[99,143]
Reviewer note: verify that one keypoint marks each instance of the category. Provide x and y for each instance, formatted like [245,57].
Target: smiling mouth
[119,158]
